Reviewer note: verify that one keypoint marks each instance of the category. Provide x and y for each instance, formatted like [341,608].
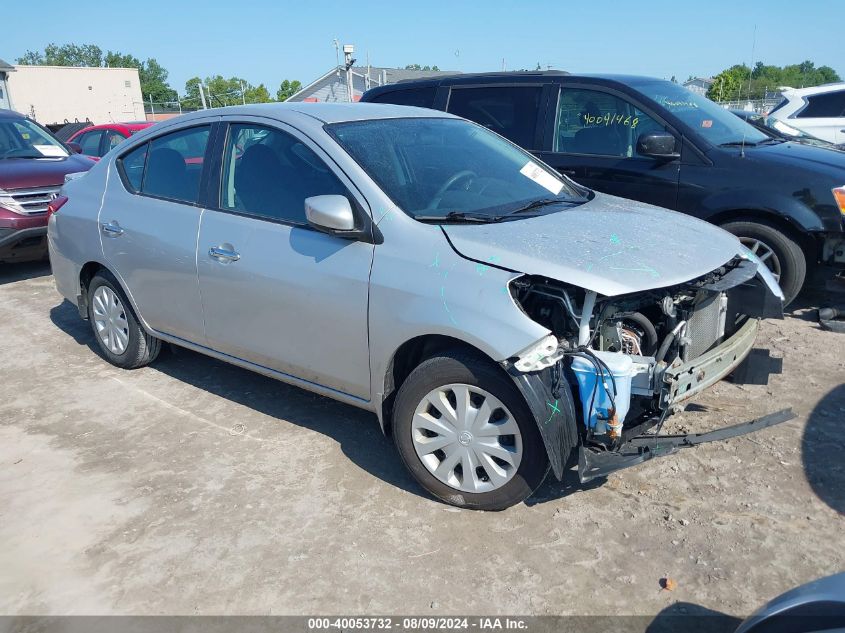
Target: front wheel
[466,434]
[781,254]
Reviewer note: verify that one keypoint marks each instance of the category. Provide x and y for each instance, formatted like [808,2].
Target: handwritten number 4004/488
[611,119]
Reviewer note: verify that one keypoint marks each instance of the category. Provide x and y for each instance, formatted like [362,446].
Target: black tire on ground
[792,260]
[475,370]
[142,348]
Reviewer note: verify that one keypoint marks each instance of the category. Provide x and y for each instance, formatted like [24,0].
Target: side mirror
[330,214]
[660,145]
[75,147]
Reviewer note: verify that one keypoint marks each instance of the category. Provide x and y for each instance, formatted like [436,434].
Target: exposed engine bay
[632,360]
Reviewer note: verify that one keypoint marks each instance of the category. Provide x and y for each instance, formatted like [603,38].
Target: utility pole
[202,97]
[243,95]
[348,49]
[152,108]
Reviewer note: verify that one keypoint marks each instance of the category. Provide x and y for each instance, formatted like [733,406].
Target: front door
[275,291]
[594,142]
[148,224]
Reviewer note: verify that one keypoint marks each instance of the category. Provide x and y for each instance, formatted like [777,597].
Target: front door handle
[112,229]
[223,254]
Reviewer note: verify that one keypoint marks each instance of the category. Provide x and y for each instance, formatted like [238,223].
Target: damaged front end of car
[615,367]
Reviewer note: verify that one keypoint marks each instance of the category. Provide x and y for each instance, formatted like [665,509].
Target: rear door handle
[112,229]
[223,254]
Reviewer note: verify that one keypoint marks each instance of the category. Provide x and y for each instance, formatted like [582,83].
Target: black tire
[476,371]
[793,262]
[142,348]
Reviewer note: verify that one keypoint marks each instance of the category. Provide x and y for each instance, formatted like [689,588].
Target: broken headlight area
[631,360]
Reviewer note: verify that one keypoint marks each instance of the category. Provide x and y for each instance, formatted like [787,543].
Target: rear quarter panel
[72,234]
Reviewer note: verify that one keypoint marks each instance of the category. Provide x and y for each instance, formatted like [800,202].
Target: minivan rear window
[829,104]
[419,97]
[507,110]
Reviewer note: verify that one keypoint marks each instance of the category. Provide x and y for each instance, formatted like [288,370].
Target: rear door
[592,138]
[149,223]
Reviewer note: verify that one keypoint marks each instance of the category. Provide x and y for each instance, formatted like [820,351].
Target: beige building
[55,94]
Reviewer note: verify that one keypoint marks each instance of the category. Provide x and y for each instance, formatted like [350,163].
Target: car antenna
[750,72]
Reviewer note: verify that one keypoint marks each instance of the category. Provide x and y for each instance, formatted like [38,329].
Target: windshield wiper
[738,144]
[459,216]
[542,202]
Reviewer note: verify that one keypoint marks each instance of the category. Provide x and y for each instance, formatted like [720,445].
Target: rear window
[831,104]
[419,97]
[507,110]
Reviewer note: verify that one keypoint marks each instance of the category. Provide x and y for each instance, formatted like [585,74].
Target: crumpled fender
[555,417]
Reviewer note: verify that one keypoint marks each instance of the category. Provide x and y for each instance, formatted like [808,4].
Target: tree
[729,83]
[64,55]
[418,67]
[224,92]
[740,82]
[257,94]
[287,89]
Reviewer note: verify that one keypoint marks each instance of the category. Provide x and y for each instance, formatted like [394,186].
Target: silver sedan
[494,315]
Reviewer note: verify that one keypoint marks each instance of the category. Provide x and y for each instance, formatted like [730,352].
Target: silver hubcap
[110,320]
[467,438]
[764,253]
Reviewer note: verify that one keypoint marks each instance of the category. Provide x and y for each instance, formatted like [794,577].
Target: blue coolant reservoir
[598,418]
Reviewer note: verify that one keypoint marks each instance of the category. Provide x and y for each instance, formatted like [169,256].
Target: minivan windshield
[452,170]
[711,121]
[21,138]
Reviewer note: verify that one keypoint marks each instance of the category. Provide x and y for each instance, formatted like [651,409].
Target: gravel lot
[194,487]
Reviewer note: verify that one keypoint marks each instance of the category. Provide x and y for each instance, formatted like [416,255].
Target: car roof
[325,112]
[137,125]
[813,90]
[518,76]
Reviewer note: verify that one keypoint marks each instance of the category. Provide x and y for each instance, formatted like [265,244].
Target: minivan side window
[507,110]
[595,122]
[269,173]
[829,104]
[173,167]
[420,97]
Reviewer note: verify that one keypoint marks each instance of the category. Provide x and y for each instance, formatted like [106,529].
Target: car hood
[610,245]
[793,154]
[23,173]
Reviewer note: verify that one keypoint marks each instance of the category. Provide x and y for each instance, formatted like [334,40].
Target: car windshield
[21,138]
[450,169]
[712,122]
[786,129]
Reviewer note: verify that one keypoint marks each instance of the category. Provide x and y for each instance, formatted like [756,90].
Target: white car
[819,111]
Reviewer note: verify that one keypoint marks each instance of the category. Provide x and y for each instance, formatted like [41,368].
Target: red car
[96,141]
[33,165]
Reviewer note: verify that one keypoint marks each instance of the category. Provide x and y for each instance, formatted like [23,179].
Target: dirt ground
[194,487]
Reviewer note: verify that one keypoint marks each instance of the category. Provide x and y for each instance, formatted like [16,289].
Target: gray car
[496,317]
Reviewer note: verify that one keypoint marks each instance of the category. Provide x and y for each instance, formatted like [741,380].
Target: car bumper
[22,236]
[682,381]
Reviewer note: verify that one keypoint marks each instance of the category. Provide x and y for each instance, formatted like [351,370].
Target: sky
[266,41]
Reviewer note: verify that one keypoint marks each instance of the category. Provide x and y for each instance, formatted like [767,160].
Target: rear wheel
[781,254]
[466,434]
[120,337]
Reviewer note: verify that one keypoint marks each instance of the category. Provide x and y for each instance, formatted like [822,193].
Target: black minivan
[655,141]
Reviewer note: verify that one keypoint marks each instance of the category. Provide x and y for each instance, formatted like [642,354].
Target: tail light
[55,205]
